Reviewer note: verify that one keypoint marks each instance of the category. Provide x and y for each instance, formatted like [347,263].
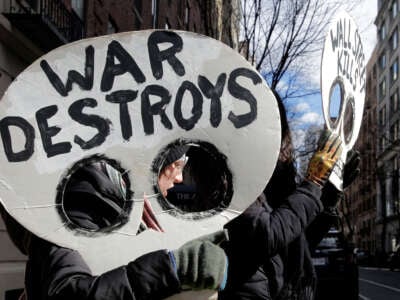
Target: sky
[308,110]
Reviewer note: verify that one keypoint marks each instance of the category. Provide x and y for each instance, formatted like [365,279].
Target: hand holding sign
[325,157]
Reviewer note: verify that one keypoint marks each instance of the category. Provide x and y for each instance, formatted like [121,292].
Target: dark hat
[173,154]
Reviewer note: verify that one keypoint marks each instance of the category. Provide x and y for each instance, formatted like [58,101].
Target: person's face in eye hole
[171,174]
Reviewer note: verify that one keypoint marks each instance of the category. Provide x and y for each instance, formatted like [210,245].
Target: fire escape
[48,23]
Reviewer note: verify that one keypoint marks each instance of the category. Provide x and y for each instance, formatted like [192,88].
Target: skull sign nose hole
[336,99]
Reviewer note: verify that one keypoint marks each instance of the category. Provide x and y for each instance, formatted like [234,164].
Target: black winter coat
[268,250]
[54,272]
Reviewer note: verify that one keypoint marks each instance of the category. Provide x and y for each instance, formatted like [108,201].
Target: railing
[52,12]
[21,7]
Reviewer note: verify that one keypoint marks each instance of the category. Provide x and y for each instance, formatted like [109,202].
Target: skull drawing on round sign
[343,80]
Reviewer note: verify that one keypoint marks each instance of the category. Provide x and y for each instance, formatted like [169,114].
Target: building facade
[388,122]
[361,195]
[31,28]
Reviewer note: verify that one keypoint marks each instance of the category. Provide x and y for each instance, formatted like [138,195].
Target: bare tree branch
[282,38]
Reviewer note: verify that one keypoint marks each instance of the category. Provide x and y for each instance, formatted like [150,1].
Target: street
[379,284]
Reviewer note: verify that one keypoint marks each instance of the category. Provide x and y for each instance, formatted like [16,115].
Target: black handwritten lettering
[47,132]
[357,45]
[197,108]
[339,62]
[164,49]
[85,82]
[111,69]
[213,93]
[123,97]
[355,79]
[348,68]
[351,72]
[362,80]
[346,33]
[334,40]
[28,132]
[244,94]
[346,64]
[101,124]
[149,110]
[350,54]
[157,56]
[340,34]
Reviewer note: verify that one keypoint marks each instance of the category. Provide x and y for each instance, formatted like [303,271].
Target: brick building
[361,195]
[388,124]
[30,28]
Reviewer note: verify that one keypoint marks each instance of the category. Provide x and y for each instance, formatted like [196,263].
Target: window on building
[395,186]
[382,88]
[382,31]
[394,102]
[32,4]
[187,14]
[79,7]
[111,27]
[394,39]
[382,116]
[137,8]
[389,207]
[394,70]
[394,9]
[382,60]
[382,197]
[167,25]
[379,4]
[394,132]
[154,12]
[153,7]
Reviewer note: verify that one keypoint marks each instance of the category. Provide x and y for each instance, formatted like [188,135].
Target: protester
[268,250]
[54,272]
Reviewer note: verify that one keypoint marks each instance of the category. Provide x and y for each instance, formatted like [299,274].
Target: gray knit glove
[201,263]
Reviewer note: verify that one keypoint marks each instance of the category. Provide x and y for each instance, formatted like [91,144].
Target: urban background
[371,210]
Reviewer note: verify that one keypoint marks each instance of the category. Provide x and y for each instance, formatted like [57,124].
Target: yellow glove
[325,157]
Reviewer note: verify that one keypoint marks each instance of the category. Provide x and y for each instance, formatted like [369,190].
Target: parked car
[337,271]
[394,260]
[363,257]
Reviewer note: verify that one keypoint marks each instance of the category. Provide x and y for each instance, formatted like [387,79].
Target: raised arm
[259,233]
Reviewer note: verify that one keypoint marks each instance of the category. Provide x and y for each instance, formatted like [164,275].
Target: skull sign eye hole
[206,186]
[95,195]
[348,120]
[336,99]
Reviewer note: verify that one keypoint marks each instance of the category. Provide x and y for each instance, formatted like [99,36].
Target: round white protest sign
[343,69]
[125,98]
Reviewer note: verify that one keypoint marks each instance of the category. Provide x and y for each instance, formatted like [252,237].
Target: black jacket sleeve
[329,217]
[258,233]
[59,273]
[319,228]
